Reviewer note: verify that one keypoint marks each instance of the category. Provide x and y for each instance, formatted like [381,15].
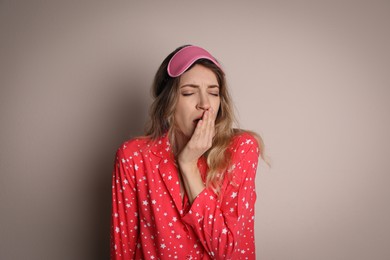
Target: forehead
[199,75]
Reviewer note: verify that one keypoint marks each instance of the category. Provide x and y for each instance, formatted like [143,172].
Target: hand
[201,140]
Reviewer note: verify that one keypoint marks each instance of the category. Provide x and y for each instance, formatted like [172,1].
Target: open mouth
[197,120]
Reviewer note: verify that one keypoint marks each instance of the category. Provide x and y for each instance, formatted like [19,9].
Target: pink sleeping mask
[184,58]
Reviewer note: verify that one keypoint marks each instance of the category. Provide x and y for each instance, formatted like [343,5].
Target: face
[198,92]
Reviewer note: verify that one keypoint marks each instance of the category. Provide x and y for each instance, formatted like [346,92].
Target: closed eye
[187,94]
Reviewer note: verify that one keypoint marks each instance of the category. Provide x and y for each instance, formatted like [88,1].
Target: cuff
[203,203]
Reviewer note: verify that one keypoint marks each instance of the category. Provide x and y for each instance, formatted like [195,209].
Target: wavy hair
[165,93]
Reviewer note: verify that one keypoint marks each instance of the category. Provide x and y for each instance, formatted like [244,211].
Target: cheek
[217,106]
[180,107]
[181,116]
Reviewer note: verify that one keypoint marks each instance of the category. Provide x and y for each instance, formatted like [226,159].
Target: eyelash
[189,94]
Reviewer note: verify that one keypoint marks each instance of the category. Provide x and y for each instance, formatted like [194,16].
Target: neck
[180,142]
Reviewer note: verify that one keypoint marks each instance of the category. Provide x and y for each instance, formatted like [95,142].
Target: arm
[199,143]
[225,224]
[124,219]
[192,180]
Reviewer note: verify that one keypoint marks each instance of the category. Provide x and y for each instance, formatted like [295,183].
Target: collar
[161,147]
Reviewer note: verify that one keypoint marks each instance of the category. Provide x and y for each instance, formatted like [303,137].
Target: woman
[187,189]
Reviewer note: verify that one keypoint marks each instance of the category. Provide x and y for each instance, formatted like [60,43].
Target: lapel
[168,170]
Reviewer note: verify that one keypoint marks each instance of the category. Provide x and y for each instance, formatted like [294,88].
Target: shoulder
[244,143]
[244,138]
[134,146]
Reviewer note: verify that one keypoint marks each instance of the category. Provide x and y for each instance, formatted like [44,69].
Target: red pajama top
[151,221]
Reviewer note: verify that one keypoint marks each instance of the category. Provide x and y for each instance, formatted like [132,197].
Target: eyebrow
[197,86]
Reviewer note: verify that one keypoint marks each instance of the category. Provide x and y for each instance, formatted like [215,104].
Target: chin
[186,133]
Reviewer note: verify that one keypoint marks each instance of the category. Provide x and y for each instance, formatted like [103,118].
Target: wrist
[185,161]
[187,165]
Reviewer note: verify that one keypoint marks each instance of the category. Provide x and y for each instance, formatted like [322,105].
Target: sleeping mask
[184,58]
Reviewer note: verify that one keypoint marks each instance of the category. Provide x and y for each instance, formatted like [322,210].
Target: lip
[196,120]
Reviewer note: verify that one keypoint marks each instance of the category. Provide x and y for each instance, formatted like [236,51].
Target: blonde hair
[165,93]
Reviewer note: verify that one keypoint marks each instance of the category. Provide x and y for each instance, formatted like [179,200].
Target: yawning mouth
[197,120]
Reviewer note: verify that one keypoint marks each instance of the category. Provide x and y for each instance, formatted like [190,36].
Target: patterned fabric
[151,221]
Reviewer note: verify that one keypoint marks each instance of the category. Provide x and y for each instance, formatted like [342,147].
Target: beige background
[312,77]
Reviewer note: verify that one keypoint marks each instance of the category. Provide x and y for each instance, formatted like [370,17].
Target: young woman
[186,190]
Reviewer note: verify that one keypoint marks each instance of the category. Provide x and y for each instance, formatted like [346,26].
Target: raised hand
[200,141]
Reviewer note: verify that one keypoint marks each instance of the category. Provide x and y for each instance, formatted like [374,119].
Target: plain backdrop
[311,77]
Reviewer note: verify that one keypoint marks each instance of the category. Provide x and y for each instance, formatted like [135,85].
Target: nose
[203,102]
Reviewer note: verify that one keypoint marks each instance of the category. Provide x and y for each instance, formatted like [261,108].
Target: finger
[205,134]
[201,128]
[211,126]
[204,123]
[207,117]
[198,129]
[205,129]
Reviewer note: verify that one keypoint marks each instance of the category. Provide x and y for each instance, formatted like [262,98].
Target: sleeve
[225,224]
[124,218]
